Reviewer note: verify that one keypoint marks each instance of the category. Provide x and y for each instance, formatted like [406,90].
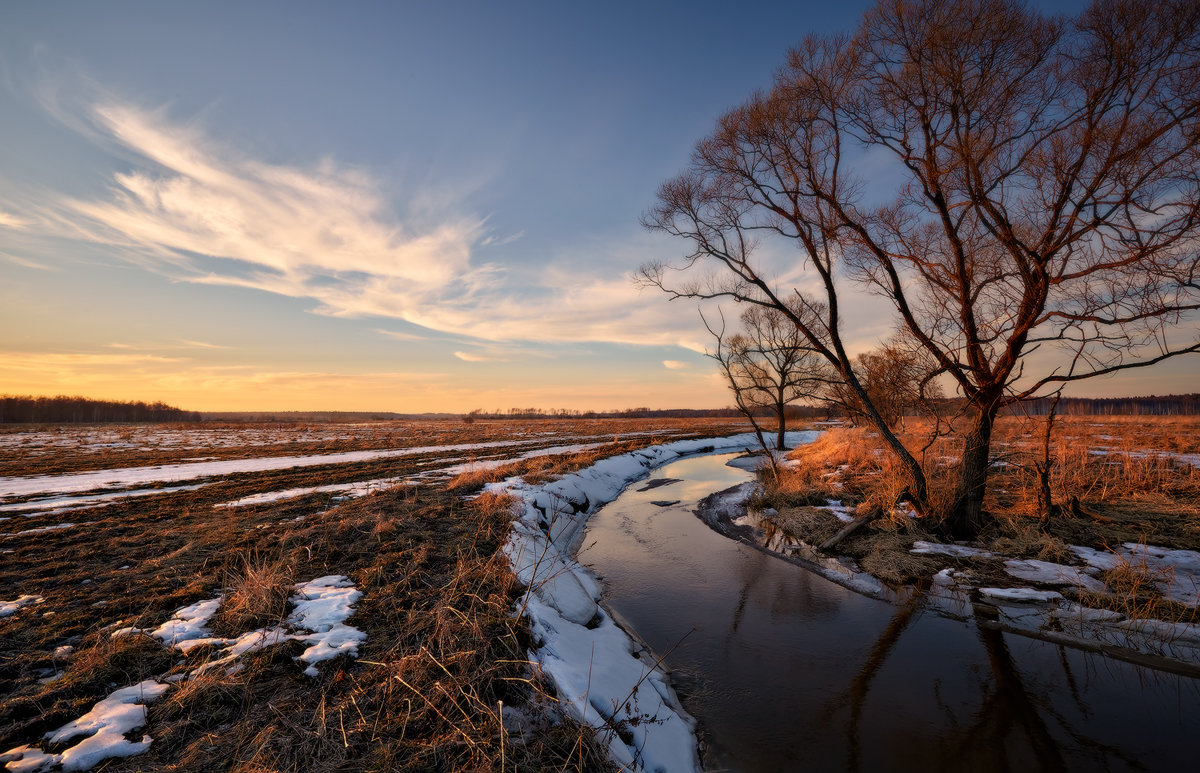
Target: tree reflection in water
[1012,728]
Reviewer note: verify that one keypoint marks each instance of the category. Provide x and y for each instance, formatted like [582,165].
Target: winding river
[785,670]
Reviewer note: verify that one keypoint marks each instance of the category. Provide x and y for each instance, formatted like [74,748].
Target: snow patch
[1052,574]
[1021,594]
[954,551]
[190,622]
[10,607]
[321,609]
[104,728]
[1175,573]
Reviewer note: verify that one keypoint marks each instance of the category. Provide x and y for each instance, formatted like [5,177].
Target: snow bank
[104,728]
[598,671]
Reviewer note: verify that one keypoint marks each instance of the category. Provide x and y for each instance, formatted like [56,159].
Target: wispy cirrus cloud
[203,344]
[199,212]
[16,223]
[26,262]
[481,357]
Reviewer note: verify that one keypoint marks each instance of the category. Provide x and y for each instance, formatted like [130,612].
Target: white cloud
[480,357]
[26,263]
[198,212]
[16,223]
[675,365]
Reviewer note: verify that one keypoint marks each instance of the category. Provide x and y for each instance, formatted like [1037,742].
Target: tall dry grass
[1099,461]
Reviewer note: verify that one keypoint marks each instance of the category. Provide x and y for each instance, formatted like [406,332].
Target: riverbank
[1132,600]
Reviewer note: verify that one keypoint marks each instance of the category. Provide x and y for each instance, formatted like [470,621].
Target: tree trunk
[1046,507]
[966,518]
[779,441]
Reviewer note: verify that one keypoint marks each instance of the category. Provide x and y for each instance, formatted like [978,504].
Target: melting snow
[169,473]
[67,504]
[1176,573]
[954,551]
[838,509]
[1021,594]
[55,527]
[363,488]
[321,608]
[594,664]
[10,607]
[1052,574]
[105,727]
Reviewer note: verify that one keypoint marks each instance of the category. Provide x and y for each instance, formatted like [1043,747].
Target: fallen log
[853,526]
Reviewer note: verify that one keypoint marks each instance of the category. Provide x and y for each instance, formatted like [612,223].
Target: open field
[112,540]
[333,596]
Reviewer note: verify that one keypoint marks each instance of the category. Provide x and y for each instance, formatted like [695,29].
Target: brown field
[442,650]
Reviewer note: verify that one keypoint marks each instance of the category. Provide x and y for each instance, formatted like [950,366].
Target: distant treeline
[793,411]
[318,417]
[20,409]
[1154,405]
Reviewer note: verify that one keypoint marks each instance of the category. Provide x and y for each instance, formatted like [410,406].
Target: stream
[785,670]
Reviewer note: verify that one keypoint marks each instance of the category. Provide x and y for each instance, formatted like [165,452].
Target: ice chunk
[1052,574]
[1020,594]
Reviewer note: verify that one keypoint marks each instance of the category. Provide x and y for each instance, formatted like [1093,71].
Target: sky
[401,206]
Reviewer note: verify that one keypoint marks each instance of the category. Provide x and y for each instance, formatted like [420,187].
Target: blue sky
[365,206]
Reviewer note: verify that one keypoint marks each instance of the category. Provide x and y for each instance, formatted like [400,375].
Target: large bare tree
[1044,227]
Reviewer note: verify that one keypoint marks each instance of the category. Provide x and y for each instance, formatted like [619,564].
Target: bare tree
[770,365]
[1047,224]
[896,377]
[726,355]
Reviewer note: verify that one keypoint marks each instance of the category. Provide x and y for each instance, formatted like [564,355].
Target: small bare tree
[770,365]
[897,378]
[1047,226]
[725,353]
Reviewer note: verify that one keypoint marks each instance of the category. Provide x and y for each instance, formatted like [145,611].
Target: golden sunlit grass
[1115,480]
[255,595]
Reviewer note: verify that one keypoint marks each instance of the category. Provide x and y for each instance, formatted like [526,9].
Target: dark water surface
[788,671]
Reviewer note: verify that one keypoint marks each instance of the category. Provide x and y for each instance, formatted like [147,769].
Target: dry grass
[1121,469]
[442,651]
[1135,594]
[1129,486]
[255,595]
[1026,540]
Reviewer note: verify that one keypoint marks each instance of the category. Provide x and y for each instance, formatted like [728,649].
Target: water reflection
[786,670]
